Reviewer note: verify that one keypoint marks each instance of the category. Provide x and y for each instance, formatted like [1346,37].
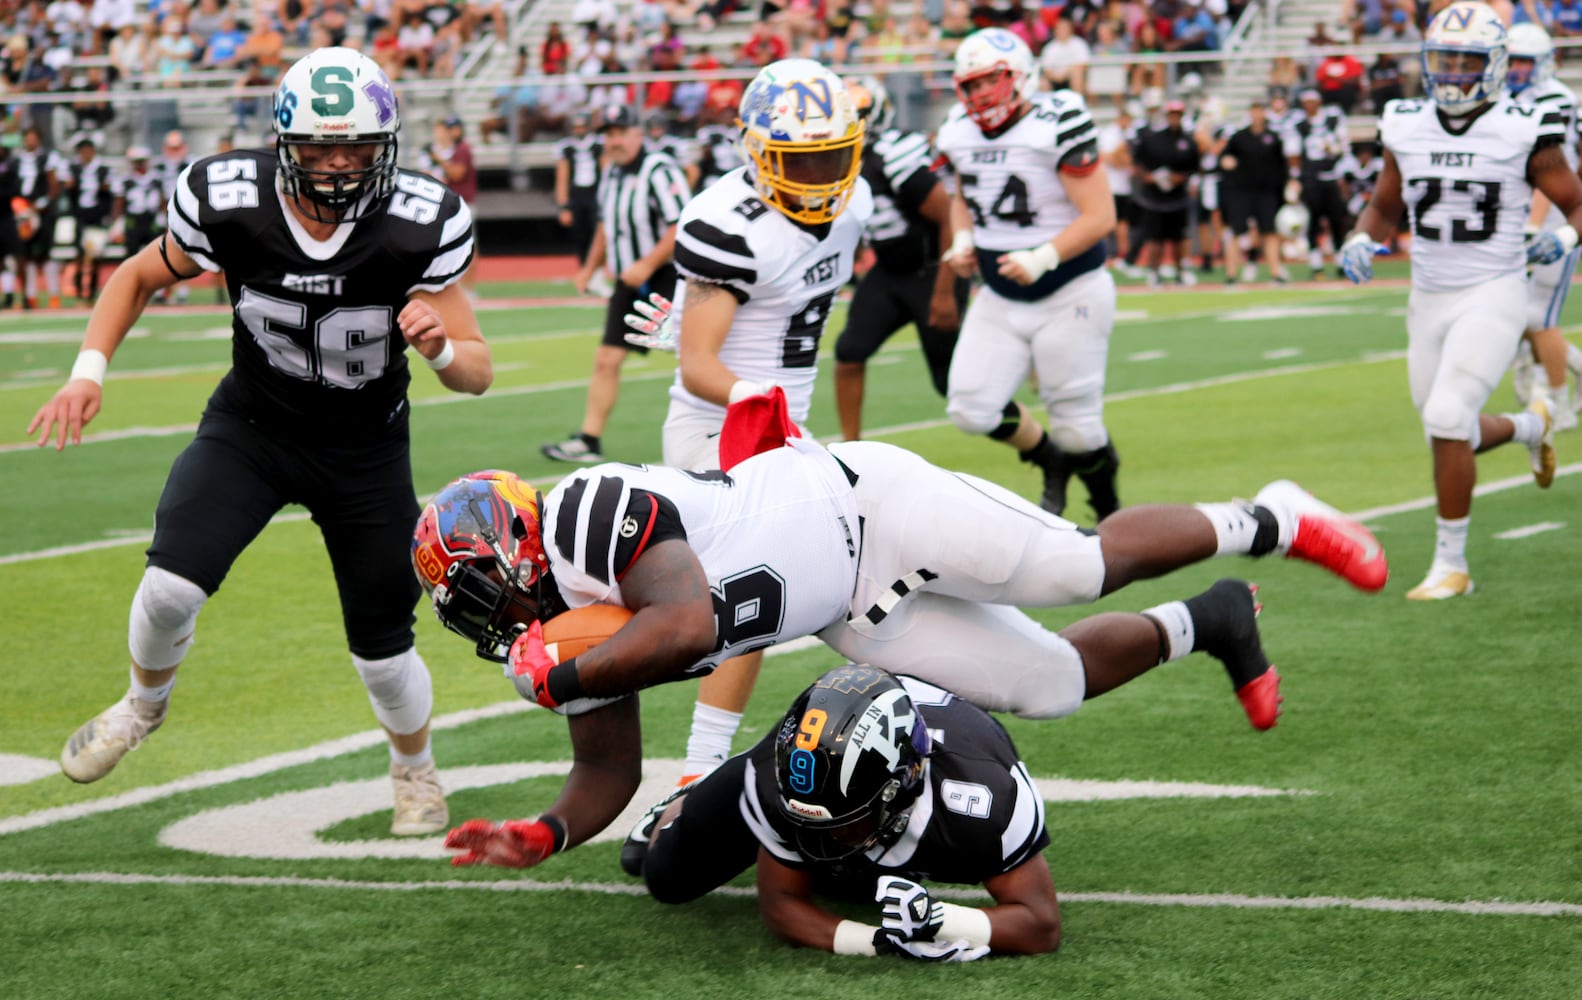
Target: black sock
[591,441]
[1041,453]
[1268,534]
[1225,626]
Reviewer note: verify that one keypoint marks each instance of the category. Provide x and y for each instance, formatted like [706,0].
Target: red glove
[529,664]
[518,843]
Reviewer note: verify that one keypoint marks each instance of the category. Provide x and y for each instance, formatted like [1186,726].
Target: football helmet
[1532,44]
[1464,58]
[478,550]
[336,97]
[849,759]
[802,134]
[1291,222]
[1004,60]
[873,103]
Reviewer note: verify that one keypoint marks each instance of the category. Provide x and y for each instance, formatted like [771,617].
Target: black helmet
[849,763]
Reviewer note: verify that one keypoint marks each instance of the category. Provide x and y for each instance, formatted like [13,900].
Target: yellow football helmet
[802,134]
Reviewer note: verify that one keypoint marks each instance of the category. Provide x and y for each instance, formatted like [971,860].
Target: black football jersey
[144,193]
[981,815]
[315,348]
[896,166]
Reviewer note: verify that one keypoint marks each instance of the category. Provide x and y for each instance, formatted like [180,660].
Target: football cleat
[573,449]
[635,849]
[1542,451]
[1235,643]
[1260,699]
[419,800]
[1315,532]
[101,742]
[1442,583]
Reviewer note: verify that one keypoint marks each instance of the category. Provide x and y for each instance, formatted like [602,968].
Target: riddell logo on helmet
[336,126]
[810,811]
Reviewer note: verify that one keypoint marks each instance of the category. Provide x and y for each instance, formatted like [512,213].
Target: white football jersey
[778,543]
[784,277]
[1554,97]
[1467,194]
[1011,182]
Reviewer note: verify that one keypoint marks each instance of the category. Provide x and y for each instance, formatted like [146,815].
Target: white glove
[1547,248]
[1356,257]
[886,943]
[910,914]
[1037,261]
[743,388]
[1293,191]
[652,329]
[960,246]
[1162,179]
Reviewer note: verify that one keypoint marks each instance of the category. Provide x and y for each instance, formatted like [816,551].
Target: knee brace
[164,614]
[1449,416]
[1080,438]
[399,689]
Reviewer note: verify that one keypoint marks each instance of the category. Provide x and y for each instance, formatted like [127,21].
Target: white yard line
[1471,907]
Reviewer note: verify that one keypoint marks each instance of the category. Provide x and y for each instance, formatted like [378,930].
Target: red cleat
[1260,699]
[1313,531]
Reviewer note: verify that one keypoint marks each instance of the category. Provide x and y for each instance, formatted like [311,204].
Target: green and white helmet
[336,96]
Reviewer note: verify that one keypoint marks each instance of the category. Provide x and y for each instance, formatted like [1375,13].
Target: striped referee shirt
[638,203]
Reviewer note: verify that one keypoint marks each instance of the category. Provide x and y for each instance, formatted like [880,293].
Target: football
[579,630]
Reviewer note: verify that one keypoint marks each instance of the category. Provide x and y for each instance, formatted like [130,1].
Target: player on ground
[1031,212]
[886,558]
[1532,84]
[1464,163]
[336,261]
[906,284]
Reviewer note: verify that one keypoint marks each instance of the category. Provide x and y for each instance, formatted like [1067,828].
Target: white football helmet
[336,97]
[873,103]
[1291,222]
[801,132]
[1530,43]
[1006,63]
[1464,58]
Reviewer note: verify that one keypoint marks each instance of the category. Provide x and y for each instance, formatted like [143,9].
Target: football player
[1031,212]
[336,263]
[1464,164]
[906,284]
[139,201]
[763,252]
[887,559]
[1532,83]
[870,785]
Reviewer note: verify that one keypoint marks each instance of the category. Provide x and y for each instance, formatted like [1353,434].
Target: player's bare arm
[673,627]
[1025,919]
[961,258]
[705,323]
[596,252]
[1386,207]
[785,902]
[606,768]
[434,322]
[1553,178]
[640,270]
[125,296]
[942,312]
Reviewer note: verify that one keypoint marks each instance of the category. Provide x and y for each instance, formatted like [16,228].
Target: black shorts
[1245,207]
[1125,209]
[624,297]
[140,232]
[10,242]
[225,486]
[1163,226]
[884,303]
[37,247]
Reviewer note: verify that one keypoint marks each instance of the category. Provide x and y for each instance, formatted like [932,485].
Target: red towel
[753,425]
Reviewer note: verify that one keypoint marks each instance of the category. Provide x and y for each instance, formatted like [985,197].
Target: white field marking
[16,769]
[1148,356]
[1283,352]
[67,335]
[1130,315]
[1260,313]
[1471,907]
[1529,530]
[1481,490]
[286,826]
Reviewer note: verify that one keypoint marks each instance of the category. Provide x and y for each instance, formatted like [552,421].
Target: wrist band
[91,365]
[557,829]
[964,923]
[563,683]
[744,388]
[1567,237]
[960,244]
[443,359]
[854,938]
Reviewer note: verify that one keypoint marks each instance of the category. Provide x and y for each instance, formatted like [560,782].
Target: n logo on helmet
[332,84]
[1458,18]
[817,91]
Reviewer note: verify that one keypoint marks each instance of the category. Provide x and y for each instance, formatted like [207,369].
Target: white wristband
[964,923]
[1038,261]
[744,388]
[92,364]
[854,938]
[1356,238]
[443,359]
[1567,237]
[960,244]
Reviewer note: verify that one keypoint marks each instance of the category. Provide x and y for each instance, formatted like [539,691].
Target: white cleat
[1542,451]
[1442,583]
[419,801]
[100,743]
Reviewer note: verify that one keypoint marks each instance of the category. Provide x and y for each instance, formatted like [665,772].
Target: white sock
[1560,396]
[1179,630]
[1235,527]
[418,759]
[52,277]
[1529,427]
[143,692]
[1574,357]
[709,744]
[1450,544]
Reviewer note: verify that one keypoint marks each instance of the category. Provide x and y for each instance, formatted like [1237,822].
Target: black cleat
[634,851]
[1057,472]
[1097,470]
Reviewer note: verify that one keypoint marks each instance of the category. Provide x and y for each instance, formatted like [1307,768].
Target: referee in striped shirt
[640,198]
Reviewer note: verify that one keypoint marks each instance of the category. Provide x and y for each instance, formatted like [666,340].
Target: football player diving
[336,262]
[889,560]
[1464,163]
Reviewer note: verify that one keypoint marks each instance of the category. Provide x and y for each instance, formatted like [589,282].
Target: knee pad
[1079,439]
[972,416]
[1449,417]
[399,689]
[164,614]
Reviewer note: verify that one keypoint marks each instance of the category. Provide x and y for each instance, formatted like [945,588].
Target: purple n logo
[1459,18]
[383,95]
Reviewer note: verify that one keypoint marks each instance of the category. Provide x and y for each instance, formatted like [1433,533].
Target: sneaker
[599,285]
[1249,273]
[419,800]
[1281,277]
[1153,279]
[635,848]
[573,449]
[1188,278]
[1441,583]
[101,742]
[1565,419]
[1314,531]
[1542,451]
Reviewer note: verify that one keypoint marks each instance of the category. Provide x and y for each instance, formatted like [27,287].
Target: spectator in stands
[477,13]
[334,16]
[1030,28]
[766,44]
[68,19]
[1340,79]
[594,14]
[93,110]
[1194,30]
[1567,21]
[414,44]
[954,26]
[1365,18]
[1285,71]
[107,18]
[260,63]
[173,52]
[650,18]
[224,50]
[557,100]
[203,22]
[293,18]
[1065,59]
[513,100]
[1401,30]
[453,155]
[1538,12]
[385,47]
[839,15]
[1384,81]
[1106,82]
[34,75]
[1146,42]
[376,14]
[128,52]
[555,54]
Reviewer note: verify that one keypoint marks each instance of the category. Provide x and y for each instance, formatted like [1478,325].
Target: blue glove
[1545,248]
[1356,257]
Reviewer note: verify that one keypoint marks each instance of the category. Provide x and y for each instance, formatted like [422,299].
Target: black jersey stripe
[567,517]
[1080,131]
[1552,118]
[718,238]
[602,524]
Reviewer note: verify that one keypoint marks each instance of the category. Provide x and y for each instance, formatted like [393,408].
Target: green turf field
[1419,835]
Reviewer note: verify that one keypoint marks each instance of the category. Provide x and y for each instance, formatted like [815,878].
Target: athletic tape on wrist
[964,923]
[854,938]
[91,365]
[443,359]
